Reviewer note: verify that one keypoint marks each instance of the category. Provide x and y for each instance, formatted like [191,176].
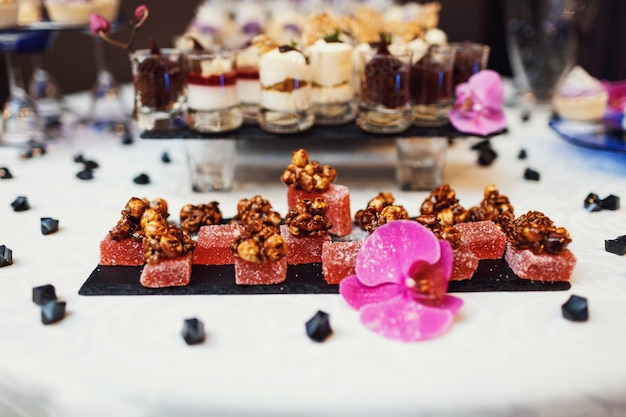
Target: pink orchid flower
[478,106]
[99,24]
[102,27]
[402,275]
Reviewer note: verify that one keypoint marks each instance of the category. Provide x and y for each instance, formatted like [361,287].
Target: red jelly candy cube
[339,260]
[171,272]
[484,239]
[338,199]
[250,273]
[541,267]
[303,249]
[213,246]
[125,252]
[464,263]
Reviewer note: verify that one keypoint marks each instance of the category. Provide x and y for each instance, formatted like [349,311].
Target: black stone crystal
[20,204]
[483,144]
[165,158]
[616,246]
[142,179]
[575,309]
[79,158]
[91,164]
[593,202]
[318,327]
[85,174]
[52,311]
[611,202]
[193,331]
[522,154]
[44,293]
[6,256]
[127,136]
[49,225]
[531,174]
[5,174]
[486,156]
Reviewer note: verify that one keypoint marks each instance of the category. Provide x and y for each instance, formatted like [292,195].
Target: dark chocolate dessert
[158,80]
[386,80]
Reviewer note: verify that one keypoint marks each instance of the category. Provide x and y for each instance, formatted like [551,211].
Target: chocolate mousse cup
[159,80]
[384,102]
[431,86]
[212,102]
[469,58]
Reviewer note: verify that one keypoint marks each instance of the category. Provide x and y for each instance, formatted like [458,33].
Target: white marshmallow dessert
[331,72]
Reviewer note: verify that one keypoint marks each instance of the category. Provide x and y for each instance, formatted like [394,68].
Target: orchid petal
[140,11]
[487,88]
[480,124]
[99,24]
[388,253]
[357,295]
[400,318]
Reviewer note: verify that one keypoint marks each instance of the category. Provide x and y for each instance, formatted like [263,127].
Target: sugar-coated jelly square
[464,263]
[338,199]
[339,260]
[541,267]
[484,239]
[125,252]
[250,273]
[303,249]
[213,244]
[171,272]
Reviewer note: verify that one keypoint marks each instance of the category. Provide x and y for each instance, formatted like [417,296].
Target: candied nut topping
[264,43]
[306,175]
[259,243]
[318,26]
[308,217]
[535,231]
[193,217]
[494,206]
[443,203]
[256,208]
[380,210]
[441,230]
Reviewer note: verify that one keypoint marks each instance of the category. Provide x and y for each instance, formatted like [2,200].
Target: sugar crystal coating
[339,260]
[52,311]
[303,249]
[464,263]
[214,244]
[484,239]
[20,204]
[318,327]
[193,331]
[576,309]
[338,198]
[6,256]
[124,252]
[49,225]
[168,272]
[540,267]
[250,273]
[44,293]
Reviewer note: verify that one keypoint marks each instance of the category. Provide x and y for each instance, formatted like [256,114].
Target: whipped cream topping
[331,62]
[248,57]
[276,67]
[579,83]
[215,66]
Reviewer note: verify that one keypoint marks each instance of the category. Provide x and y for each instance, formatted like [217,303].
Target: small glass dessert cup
[285,77]
[431,86]
[421,162]
[158,81]
[332,86]
[469,58]
[211,91]
[211,164]
[248,85]
[384,102]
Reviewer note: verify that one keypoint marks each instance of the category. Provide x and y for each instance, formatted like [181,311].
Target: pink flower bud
[141,11]
[99,24]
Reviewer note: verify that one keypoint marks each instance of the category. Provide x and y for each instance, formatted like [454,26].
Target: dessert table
[507,354]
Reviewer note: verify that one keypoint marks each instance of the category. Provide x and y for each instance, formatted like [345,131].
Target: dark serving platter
[491,275]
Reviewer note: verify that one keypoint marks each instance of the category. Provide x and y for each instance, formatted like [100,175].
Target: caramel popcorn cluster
[256,208]
[443,203]
[379,210]
[129,223]
[306,175]
[534,230]
[495,207]
[193,217]
[308,217]
[259,243]
[441,230]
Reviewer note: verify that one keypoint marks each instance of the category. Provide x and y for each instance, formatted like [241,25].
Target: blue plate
[607,135]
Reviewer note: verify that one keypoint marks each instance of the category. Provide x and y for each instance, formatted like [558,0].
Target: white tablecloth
[508,354]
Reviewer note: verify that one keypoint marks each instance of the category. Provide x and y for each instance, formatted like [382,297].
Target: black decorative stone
[193,331]
[85,174]
[576,309]
[616,246]
[165,158]
[483,144]
[44,293]
[592,202]
[79,158]
[486,157]
[318,327]
[522,154]
[531,175]
[52,311]
[6,256]
[525,116]
[20,204]
[127,136]
[611,202]
[142,179]
[5,174]
[91,164]
[49,225]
